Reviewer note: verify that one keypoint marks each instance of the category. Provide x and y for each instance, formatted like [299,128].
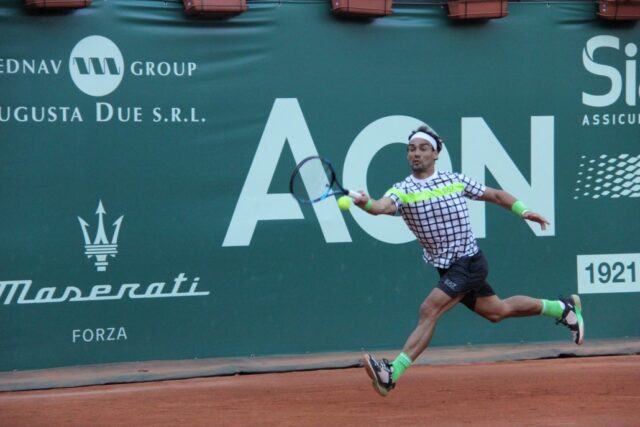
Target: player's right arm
[382,206]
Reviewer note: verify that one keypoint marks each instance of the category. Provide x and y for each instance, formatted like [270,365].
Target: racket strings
[312,180]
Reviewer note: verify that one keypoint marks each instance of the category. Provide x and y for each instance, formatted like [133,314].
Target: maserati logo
[101,247]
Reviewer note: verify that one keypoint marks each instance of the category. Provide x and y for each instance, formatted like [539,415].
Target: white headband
[426,136]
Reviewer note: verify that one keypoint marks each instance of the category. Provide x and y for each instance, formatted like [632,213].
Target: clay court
[566,391]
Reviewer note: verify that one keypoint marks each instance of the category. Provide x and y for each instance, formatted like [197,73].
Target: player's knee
[494,317]
[428,311]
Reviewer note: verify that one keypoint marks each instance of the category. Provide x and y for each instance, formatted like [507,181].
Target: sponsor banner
[610,273]
[146,154]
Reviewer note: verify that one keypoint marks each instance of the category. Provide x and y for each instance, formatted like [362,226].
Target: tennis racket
[314,179]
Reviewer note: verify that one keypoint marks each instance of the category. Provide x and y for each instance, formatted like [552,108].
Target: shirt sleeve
[395,194]
[472,189]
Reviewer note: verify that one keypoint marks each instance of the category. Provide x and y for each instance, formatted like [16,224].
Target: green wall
[186,130]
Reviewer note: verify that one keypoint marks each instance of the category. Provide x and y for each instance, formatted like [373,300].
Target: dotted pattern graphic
[608,177]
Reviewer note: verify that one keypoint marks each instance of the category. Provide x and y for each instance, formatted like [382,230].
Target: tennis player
[433,205]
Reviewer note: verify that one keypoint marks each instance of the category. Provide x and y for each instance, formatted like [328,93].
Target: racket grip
[354,195]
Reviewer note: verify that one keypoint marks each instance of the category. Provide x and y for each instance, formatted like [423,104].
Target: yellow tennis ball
[344,203]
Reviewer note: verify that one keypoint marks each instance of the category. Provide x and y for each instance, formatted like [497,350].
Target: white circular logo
[96,65]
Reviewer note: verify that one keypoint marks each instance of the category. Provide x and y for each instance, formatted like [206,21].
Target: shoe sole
[367,366]
[578,304]
[370,371]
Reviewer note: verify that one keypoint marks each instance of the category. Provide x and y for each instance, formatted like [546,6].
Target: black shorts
[467,276]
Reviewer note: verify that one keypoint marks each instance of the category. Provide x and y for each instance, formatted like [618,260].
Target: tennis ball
[344,203]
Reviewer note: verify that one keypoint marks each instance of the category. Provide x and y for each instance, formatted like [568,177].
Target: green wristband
[519,208]
[368,206]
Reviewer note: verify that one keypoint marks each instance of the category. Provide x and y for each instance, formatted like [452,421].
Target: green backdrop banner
[145,157]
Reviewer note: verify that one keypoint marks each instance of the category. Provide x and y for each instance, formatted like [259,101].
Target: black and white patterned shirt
[436,211]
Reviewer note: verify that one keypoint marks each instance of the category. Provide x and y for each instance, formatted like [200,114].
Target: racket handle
[354,195]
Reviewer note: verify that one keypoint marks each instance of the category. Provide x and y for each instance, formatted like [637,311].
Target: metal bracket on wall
[57,4]
[371,8]
[215,7]
[619,10]
[477,9]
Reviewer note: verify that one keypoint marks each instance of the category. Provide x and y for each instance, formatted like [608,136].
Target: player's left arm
[507,201]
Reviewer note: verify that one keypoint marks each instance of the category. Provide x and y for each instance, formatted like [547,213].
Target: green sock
[552,308]
[400,364]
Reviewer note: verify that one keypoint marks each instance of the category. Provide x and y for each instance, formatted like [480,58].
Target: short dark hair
[426,129]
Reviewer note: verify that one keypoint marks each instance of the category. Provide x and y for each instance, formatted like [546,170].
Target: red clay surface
[590,391]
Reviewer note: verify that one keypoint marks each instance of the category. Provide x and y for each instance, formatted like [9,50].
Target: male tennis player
[432,204]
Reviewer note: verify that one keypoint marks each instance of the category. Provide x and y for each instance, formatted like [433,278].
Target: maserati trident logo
[101,247]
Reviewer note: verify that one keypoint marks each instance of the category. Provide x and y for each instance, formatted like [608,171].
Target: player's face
[421,156]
